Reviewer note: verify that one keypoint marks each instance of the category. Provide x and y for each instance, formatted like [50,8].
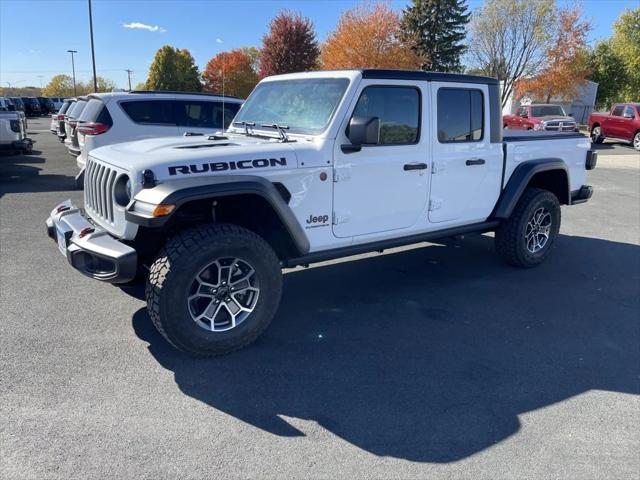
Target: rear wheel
[214,289]
[525,238]
[596,134]
[636,141]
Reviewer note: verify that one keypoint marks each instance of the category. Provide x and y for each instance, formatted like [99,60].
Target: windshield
[305,106]
[544,110]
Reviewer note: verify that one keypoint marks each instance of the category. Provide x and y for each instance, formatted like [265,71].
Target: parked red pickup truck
[622,123]
[540,117]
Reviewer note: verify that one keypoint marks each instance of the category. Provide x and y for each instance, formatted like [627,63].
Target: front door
[467,167]
[383,187]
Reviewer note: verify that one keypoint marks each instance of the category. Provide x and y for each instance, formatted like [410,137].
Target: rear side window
[618,111]
[156,112]
[205,114]
[398,109]
[460,115]
[629,111]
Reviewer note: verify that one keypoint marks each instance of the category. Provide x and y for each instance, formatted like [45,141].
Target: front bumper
[89,248]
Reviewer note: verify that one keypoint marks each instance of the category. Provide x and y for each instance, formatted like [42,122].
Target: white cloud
[144,26]
[218,40]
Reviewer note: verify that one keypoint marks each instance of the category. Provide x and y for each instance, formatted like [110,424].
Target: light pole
[129,72]
[73,69]
[93,53]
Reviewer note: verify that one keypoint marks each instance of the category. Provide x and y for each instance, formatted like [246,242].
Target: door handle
[414,166]
[475,161]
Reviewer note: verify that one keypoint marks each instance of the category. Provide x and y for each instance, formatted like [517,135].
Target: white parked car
[317,166]
[57,119]
[7,105]
[124,116]
[12,134]
[70,124]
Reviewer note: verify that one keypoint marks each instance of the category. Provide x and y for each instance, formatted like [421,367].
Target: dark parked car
[19,104]
[31,106]
[46,105]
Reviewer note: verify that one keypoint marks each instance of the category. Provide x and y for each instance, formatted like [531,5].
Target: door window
[460,115]
[155,112]
[617,112]
[398,109]
[205,114]
[628,111]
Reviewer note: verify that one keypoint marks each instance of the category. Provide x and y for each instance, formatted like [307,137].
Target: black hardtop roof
[426,76]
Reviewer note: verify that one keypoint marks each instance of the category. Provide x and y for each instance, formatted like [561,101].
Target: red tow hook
[62,208]
[86,231]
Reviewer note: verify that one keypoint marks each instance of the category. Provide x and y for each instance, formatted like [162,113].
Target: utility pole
[40,77]
[73,69]
[93,53]
[129,72]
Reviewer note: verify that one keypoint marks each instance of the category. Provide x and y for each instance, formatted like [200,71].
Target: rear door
[613,123]
[467,167]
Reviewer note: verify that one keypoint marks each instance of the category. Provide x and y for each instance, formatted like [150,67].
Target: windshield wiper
[281,130]
[246,126]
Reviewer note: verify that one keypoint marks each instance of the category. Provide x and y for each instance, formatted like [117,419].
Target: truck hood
[557,118]
[179,156]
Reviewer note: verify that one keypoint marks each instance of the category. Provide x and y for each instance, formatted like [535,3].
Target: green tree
[609,72]
[625,43]
[436,31]
[59,86]
[173,69]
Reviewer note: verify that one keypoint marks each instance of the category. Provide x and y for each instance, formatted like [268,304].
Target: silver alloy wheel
[636,141]
[223,294]
[595,134]
[538,230]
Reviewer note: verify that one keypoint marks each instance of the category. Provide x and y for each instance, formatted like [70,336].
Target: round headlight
[122,190]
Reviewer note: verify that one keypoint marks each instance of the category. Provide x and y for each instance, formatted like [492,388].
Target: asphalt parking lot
[436,361]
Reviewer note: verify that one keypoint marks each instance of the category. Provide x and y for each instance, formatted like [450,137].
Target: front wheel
[525,238]
[596,134]
[214,289]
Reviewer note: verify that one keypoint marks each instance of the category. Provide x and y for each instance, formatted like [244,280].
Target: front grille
[98,189]
[560,126]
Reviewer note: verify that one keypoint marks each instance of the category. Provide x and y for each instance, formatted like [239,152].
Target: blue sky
[35,34]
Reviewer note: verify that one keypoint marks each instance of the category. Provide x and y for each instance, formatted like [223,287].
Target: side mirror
[364,131]
[571,114]
[524,115]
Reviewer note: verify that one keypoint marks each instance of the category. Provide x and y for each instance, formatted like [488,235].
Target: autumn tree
[59,86]
[509,39]
[436,29]
[231,73]
[173,69]
[625,43]
[567,62]
[368,36]
[290,45]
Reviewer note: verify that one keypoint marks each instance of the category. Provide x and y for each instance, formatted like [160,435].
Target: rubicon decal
[221,166]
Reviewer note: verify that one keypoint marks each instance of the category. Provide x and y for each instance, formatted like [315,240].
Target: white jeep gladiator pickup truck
[315,166]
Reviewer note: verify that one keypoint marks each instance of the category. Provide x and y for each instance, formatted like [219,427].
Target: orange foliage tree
[231,73]
[368,36]
[567,64]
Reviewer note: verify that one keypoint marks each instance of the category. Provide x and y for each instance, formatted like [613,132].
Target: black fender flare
[519,180]
[182,191]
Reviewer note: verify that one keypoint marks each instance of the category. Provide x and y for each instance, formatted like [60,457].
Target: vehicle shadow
[429,355]
[19,175]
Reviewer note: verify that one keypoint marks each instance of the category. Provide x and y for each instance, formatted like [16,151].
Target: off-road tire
[510,238]
[179,262]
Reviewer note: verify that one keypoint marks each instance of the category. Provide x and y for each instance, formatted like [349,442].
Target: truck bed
[527,135]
